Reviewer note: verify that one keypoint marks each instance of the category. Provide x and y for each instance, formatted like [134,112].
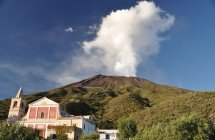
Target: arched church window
[54,136]
[42,115]
[15,104]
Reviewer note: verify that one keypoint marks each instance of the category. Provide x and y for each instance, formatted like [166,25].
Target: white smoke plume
[125,39]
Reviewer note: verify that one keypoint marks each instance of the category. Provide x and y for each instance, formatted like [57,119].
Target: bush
[62,137]
[127,128]
[79,90]
[78,107]
[189,127]
[17,132]
[107,124]
[144,102]
[91,136]
[4,108]
[156,132]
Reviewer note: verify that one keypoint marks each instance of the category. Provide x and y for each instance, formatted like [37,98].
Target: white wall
[112,137]
[112,134]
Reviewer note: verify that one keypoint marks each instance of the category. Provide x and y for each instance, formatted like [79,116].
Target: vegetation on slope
[4,107]
[188,127]
[110,98]
[173,107]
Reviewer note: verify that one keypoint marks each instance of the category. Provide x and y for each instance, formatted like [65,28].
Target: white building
[46,116]
[107,134]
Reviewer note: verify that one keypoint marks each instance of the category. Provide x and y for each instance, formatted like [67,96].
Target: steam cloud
[125,39]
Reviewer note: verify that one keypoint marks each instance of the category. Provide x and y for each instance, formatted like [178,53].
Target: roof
[44,101]
[19,93]
[108,131]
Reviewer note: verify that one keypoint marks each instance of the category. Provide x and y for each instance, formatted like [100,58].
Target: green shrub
[91,136]
[79,90]
[78,108]
[17,132]
[127,128]
[137,98]
[107,124]
[189,127]
[4,108]
[62,137]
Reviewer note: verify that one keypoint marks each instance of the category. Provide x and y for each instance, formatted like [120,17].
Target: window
[54,136]
[42,115]
[107,136]
[15,104]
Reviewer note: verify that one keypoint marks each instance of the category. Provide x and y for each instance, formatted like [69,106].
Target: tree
[191,127]
[127,128]
[17,132]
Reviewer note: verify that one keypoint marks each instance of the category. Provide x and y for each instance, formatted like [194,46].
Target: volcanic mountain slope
[110,98]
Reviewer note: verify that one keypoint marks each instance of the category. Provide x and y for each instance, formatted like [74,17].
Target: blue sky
[36,49]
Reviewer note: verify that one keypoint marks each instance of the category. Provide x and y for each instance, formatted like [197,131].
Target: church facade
[46,116]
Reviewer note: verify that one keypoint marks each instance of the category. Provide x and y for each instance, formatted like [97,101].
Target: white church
[46,116]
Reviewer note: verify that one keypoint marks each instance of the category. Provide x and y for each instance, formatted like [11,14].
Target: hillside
[111,97]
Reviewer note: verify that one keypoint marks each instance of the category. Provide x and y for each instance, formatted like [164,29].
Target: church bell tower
[17,107]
